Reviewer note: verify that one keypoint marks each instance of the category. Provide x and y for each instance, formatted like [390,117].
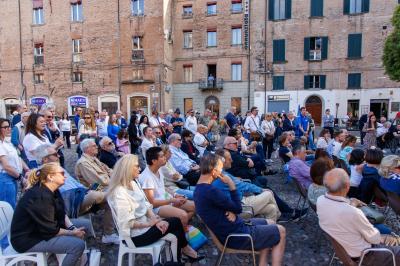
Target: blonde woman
[40,224]
[390,172]
[134,215]
[89,126]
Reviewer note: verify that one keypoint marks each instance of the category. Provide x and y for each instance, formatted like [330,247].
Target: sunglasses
[61,172]
[49,116]
[110,143]
[88,117]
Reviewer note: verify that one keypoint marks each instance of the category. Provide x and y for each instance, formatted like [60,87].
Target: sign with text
[78,101]
[246,24]
[38,101]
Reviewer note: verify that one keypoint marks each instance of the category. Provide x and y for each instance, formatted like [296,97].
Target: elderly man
[148,140]
[77,198]
[289,124]
[343,221]
[18,134]
[191,122]
[88,169]
[21,108]
[101,124]
[205,119]
[107,152]
[158,136]
[298,168]
[231,119]
[181,161]
[121,120]
[199,140]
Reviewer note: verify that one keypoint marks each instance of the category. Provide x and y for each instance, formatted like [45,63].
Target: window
[137,43]
[236,7]
[187,11]
[212,38]
[76,11]
[279,9]
[355,7]
[278,83]
[76,50]
[39,78]
[236,70]
[278,47]
[77,77]
[315,48]
[354,46]
[187,39]
[38,54]
[188,73]
[236,36]
[137,74]
[212,9]
[354,81]
[314,82]
[38,16]
[317,8]
[137,7]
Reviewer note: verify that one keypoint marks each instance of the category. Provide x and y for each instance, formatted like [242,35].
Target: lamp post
[336,119]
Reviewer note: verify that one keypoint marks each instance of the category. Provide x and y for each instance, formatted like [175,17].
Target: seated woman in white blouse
[133,213]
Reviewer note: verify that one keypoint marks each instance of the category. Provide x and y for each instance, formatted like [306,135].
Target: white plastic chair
[126,246]
[9,256]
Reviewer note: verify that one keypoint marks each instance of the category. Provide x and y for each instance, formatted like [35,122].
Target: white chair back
[6,214]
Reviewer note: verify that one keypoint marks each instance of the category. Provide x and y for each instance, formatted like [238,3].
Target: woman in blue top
[390,172]
[113,128]
[347,148]
[220,214]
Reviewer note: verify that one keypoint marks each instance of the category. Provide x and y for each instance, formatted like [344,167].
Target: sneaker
[110,239]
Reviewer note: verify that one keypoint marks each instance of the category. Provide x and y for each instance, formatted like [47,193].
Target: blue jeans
[8,193]
[185,192]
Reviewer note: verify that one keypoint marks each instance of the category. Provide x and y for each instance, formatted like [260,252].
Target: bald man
[342,220]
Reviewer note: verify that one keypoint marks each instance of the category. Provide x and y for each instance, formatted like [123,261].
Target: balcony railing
[137,55]
[208,84]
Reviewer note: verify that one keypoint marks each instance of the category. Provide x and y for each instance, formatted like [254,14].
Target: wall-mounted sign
[39,101]
[246,24]
[78,101]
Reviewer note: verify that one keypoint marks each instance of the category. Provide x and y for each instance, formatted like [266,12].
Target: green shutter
[282,83]
[288,9]
[324,54]
[354,81]
[354,45]
[306,82]
[271,9]
[306,49]
[278,51]
[365,6]
[322,81]
[346,7]
[317,8]
[278,82]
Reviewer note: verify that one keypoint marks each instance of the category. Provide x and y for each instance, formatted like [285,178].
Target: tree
[391,50]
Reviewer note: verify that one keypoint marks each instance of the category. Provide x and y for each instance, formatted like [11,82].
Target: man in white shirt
[148,140]
[252,123]
[152,182]
[191,122]
[337,143]
[101,125]
[199,140]
[342,220]
[155,120]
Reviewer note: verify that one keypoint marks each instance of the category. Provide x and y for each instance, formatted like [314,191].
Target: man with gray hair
[343,221]
[89,170]
[72,191]
[107,152]
[21,108]
[121,119]
[18,134]
[298,168]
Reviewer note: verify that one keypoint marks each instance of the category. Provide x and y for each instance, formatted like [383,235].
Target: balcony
[216,84]
[137,56]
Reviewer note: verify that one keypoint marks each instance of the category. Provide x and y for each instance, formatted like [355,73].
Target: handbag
[374,216]
[195,237]
[170,262]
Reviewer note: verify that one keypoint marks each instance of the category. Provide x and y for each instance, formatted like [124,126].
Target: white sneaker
[110,239]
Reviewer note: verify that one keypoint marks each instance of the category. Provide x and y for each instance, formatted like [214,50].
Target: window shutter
[278,83]
[322,81]
[306,49]
[346,7]
[278,50]
[365,6]
[306,82]
[288,9]
[275,83]
[282,82]
[317,8]
[354,81]
[324,54]
[271,9]
[354,45]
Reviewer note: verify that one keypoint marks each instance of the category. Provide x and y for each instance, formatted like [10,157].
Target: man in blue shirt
[303,123]
[231,119]
[77,117]
[258,198]
[177,122]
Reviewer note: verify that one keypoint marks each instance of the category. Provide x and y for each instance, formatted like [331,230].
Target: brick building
[323,54]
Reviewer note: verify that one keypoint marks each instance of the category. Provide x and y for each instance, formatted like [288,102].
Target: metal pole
[248,59]
[21,72]
[119,55]
[265,57]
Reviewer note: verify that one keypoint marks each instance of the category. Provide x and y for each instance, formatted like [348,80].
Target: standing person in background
[252,123]
[143,122]
[311,143]
[303,123]
[213,129]
[113,128]
[363,120]
[134,134]
[77,117]
[121,121]
[191,122]
[18,134]
[205,119]
[268,127]
[177,122]
[328,120]
[289,123]
[101,125]
[231,118]
[20,109]
[65,126]
[370,132]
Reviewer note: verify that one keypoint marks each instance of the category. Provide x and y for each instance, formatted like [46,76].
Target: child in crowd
[122,142]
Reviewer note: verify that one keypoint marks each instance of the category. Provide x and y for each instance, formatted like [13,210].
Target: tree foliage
[391,50]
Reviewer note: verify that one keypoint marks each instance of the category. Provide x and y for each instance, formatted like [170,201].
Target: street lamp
[336,119]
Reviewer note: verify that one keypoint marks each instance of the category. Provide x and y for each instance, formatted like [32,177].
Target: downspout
[21,72]
[248,58]
[119,54]
[265,57]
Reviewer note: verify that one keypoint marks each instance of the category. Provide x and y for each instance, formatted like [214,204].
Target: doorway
[139,102]
[314,107]
[212,103]
[353,107]
[379,107]
[211,75]
[187,105]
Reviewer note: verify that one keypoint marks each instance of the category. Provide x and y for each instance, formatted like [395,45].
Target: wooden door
[187,104]
[314,107]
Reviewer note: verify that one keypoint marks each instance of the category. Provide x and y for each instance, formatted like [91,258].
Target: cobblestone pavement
[305,243]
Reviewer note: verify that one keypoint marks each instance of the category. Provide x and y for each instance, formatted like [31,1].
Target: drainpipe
[21,72]
[265,57]
[248,58]
[119,55]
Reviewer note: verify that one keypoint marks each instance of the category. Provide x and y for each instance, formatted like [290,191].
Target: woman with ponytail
[40,224]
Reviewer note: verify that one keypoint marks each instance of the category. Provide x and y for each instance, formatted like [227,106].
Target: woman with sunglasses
[40,224]
[88,127]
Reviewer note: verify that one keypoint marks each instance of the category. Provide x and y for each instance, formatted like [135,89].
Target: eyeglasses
[110,143]
[88,117]
[158,133]
[179,139]
[53,154]
[6,127]
[49,116]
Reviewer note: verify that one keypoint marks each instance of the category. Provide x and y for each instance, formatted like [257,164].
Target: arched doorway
[212,103]
[314,107]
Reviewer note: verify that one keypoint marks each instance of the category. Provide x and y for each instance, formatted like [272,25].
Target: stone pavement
[305,243]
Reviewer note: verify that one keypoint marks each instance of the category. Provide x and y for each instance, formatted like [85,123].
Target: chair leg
[156,254]
[131,259]
[221,256]
[333,257]
[120,257]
